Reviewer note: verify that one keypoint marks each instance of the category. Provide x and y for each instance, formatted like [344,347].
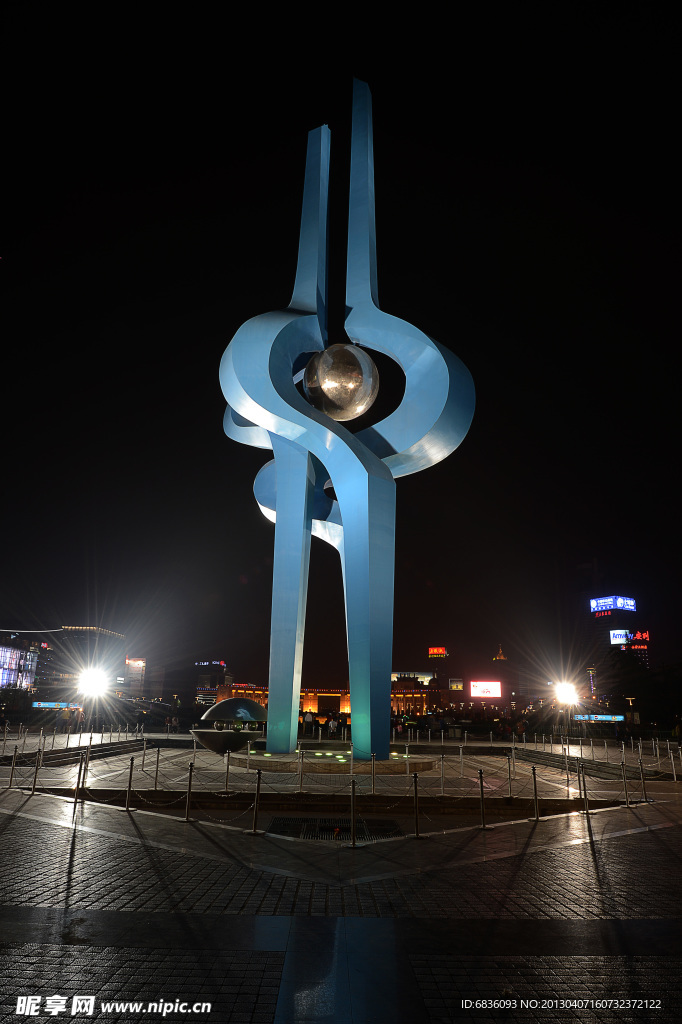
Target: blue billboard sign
[55,704]
[602,604]
[599,718]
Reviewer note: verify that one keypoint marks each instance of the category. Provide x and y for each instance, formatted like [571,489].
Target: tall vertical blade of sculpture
[312,446]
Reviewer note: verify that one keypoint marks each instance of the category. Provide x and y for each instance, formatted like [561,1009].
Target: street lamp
[92,683]
[567,694]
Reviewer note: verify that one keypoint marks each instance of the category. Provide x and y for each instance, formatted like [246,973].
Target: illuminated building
[213,677]
[614,624]
[18,663]
[62,654]
[411,693]
[134,677]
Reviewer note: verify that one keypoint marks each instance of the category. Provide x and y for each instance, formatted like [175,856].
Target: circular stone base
[327,763]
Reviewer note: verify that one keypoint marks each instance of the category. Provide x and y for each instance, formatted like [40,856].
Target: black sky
[527,184]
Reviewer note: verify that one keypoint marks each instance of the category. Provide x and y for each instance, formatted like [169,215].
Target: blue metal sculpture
[312,448]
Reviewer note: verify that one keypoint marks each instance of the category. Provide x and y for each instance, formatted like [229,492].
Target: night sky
[527,191]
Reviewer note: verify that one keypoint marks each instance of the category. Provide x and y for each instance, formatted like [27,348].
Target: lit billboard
[480,689]
[624,636]
[437,652]
[602,604]
[599,718]
[619,636]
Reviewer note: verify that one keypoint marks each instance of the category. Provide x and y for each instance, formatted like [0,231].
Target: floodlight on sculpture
[312,448]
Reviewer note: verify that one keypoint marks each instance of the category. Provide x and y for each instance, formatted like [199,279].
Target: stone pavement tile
[238,986]
[611,989]
[625,876]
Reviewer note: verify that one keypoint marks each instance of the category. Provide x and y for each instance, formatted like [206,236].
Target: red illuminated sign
[437,652]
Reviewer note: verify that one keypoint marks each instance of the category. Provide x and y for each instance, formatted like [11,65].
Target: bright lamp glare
[93,682]
[566,693]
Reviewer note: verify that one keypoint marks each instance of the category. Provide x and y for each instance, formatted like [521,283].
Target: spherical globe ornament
[341,381]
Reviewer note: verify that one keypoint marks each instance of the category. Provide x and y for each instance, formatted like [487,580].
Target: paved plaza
[573,917]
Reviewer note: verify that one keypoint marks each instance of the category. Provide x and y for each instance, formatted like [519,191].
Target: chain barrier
[456,776]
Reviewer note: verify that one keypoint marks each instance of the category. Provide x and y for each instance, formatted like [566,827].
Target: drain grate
[335,829]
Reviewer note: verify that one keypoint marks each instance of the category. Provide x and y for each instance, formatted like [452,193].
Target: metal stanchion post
[4,739]
[491,739]
[577,772]
[587,802]
[156,773]
[568,780]
[68,736]
[351,757]
[513,757]
[126,731]
[189,789]
[625,783]
[254,830]
[110,731]
[480,783]
[194,751]
[144,751]
[35,774]
[551,743]
[374,765]
[248,755]
[442,774]
[592,749]
[543,741]
[509,774]
[78,783]
[535,793]
[14,761]
[606,752]
[130,783]
[407,758]
[641,775]
[536,740]
[461,761]
[300,771]
[672,762]
[415,776]
[54,736]
[581,748]
[227,771]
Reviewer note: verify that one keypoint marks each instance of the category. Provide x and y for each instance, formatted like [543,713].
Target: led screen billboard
[602,604]
[599,718]
[480,689]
